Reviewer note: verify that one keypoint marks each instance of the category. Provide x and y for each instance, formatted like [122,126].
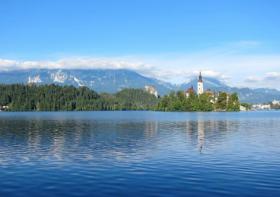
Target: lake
[139,154]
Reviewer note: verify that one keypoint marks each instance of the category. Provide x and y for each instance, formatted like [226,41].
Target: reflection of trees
[56,140]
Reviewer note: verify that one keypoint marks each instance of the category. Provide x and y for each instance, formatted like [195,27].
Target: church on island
[200,90]
[196,99]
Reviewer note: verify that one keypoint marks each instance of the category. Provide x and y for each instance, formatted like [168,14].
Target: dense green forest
[19,97]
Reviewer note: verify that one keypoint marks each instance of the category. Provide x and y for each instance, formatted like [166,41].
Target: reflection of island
[69,139]
[200,134]
[196,131]
[200,131]
[64,140]
[151,128]
[56,149]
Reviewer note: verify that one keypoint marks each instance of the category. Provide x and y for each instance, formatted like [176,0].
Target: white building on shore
[261,107]
[152,90]
[275,102]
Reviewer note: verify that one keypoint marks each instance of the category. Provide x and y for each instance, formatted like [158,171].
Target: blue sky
[235,40]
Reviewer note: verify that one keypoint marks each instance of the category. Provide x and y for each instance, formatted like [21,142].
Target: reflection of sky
[44,138]
[191,154]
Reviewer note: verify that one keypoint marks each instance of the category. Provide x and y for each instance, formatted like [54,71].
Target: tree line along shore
[20,97]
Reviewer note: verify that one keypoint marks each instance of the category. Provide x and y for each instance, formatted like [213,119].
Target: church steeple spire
[200,77]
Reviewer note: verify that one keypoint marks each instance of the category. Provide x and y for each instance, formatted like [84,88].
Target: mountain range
[113,80]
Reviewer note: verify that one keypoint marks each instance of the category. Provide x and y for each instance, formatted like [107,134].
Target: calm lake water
[140,154]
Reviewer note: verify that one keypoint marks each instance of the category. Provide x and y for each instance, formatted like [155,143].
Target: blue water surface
[139,154]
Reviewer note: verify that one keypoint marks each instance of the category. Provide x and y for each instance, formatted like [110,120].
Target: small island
[201,101]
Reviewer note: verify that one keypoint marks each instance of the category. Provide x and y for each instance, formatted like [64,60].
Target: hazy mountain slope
[100,80]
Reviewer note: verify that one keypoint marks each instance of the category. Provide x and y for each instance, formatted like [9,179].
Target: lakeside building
[243,108]
[273,105]
[152,90]
[275,102]
[189,91]
[212,95]
[261,107]
[4,108]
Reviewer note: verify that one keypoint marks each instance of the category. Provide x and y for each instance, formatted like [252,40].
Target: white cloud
[231,63]
[268,80]
[78,63]
[235,70]
[7,64]
[212,74]
[252,79]
[272,76]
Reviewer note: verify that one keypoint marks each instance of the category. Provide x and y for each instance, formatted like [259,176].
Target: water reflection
[200,134]
[201,131]
[177,154]
[151,128]
[73,139]
[62,140]
[77,139]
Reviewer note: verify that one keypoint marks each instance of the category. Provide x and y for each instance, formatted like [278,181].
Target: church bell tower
[200,85]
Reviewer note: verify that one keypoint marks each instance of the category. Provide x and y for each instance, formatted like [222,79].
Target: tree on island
[233,103]
[177,101]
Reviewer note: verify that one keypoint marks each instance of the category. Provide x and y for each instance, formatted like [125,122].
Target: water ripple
[139,153]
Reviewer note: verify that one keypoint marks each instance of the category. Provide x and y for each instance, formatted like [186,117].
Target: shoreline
[138,111]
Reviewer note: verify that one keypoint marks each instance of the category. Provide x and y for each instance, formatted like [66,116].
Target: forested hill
[18,97]
[68,98]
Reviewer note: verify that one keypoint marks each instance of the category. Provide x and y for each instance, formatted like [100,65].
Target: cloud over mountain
[235,63]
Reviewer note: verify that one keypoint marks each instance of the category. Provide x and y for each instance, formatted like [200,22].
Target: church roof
[190,90]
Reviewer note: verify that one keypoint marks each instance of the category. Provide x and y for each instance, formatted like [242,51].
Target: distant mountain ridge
[100,80]
[113,80]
